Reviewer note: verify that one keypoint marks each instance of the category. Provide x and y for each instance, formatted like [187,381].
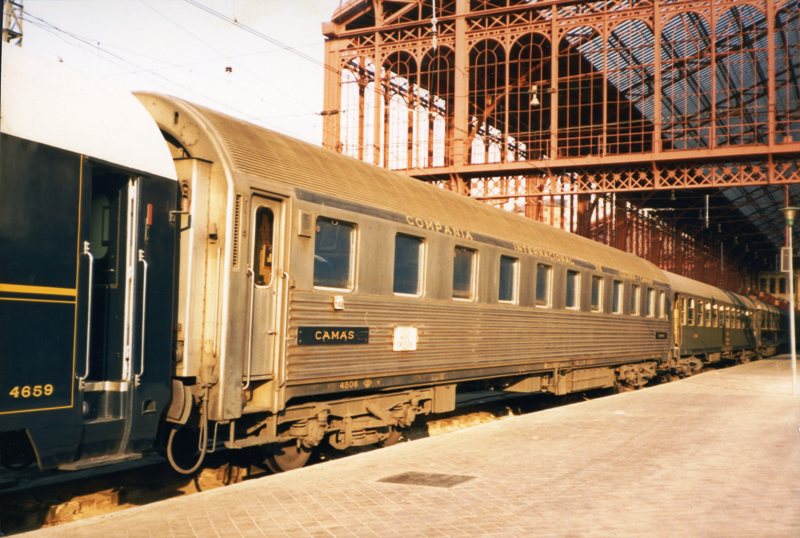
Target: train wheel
[619,388]
[394,437]
[287,457]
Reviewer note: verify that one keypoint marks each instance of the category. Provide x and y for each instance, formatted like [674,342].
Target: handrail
[87,251]
[279,317]
[250,274]
[138,377]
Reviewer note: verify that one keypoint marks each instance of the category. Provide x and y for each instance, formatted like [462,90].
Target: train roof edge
[47,102]
[246,149]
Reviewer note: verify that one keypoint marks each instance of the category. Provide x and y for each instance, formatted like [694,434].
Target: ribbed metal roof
[262,153]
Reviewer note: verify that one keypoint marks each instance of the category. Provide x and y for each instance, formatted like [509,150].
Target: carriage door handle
[138,377]
[87,251]
[250,275]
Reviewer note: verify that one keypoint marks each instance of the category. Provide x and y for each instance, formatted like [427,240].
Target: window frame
[256,258]
[420,266]
[473,273]
[650,302]
[617,297]
[576,290]
[601,282]
[514,279]
[548,286]
[352,265]
[701,308]
[635,302]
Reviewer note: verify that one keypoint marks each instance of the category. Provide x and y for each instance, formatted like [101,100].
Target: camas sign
[324,336]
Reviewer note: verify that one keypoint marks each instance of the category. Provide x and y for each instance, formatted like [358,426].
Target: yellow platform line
[38,290]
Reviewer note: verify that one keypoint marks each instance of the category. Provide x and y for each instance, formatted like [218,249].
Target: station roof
[742,30]
[742,59]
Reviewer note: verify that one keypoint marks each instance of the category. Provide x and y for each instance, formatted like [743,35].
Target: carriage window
[708,314]
[597,293]
[700,313]
[464,273]
[334,246]
[662,305]
[690,313]
[408,264]
[616,297]
[650,303]
[634,305]
[262,249]
[507,287]
[543,274]
[573,289]
[715,316]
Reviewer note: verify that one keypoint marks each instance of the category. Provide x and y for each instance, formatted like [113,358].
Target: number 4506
[31,391]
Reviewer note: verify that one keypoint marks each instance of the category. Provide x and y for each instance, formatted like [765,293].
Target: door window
[262,253]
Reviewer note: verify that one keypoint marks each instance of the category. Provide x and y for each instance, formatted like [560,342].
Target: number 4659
[31,391]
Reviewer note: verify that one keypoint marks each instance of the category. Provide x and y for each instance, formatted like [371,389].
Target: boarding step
[98,461]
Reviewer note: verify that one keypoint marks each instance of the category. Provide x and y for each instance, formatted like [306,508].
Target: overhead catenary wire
[239,65]
[128,66]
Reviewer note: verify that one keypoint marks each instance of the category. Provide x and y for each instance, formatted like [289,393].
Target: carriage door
[678,309]
[106,260]
[726,329]
[265,276]
[128,262]
[108,248]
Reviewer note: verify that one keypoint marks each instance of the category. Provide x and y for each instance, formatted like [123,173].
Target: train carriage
[710,324]
[316,289]
[86,269]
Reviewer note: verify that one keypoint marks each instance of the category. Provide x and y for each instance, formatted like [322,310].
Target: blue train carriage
[325,298]
[87,190]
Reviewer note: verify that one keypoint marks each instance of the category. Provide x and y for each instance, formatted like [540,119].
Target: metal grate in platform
[436,480]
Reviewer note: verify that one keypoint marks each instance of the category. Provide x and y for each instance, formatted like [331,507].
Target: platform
[717,454]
